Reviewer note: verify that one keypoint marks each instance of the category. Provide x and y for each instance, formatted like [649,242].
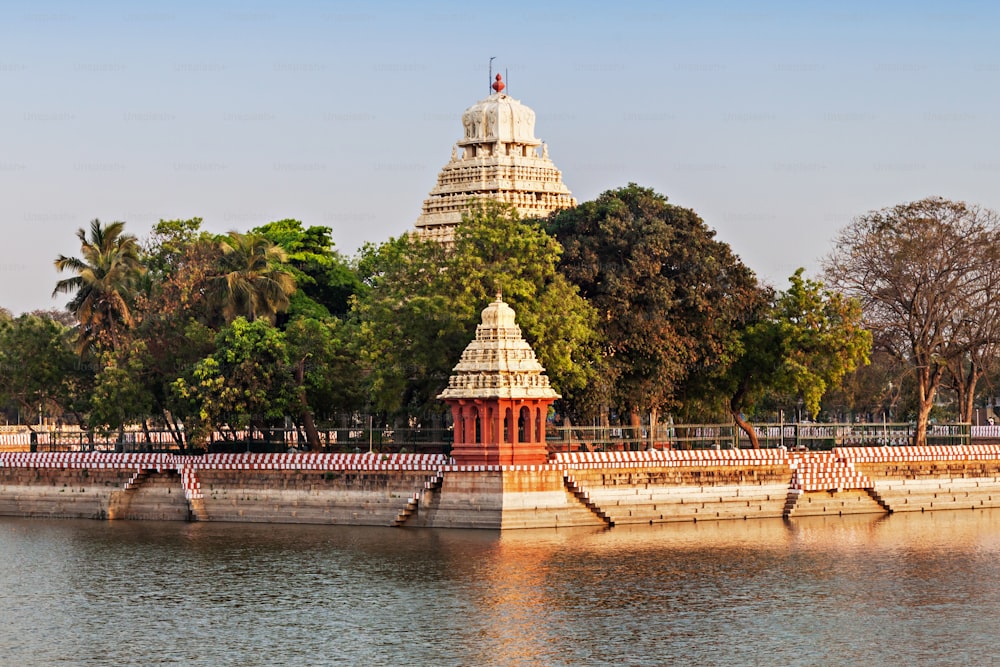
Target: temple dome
[499,118]
[498,315]
[498,363]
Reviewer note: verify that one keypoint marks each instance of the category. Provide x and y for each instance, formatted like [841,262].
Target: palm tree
[104,284]
[253,284]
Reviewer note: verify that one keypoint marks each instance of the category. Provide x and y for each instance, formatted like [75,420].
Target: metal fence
[573,438]
[256,440]
[791,436]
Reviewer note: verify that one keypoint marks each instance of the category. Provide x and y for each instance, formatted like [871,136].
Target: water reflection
[903,589]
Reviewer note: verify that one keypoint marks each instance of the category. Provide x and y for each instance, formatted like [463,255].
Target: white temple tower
[498,158]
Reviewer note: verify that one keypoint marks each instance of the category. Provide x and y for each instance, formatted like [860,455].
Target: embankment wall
[932,478]
[59,492]
[578,489]
[360,497]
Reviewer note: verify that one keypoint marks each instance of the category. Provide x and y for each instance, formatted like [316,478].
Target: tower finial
[498,85]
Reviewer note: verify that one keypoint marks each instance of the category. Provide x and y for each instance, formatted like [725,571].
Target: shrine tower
[498,158]
[499,395]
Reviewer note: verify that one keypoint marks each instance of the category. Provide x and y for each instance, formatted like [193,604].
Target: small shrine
[498,158]
[499,395]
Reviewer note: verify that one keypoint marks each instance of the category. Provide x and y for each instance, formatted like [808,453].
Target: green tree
[422,301]
[325,372]
[405,329]
[169,243]
[39,371]
[806,342]
[246,382]
[176,316]
[496,252]
[668,294]
[103,286]
[121,393]
[253,281]
[926,274]
[324,278]
[60,315]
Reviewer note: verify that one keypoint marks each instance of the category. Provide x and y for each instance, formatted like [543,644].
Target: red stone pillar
[458,424]
[529,431]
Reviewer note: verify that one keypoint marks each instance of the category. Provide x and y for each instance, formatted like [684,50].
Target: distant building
[498,158]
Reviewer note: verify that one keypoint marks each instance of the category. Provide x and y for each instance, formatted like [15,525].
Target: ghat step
[584,498]
[413,503]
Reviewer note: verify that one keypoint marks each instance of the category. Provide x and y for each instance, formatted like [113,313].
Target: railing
[791,436]
[78,440]
[624,438]
[567,439]
[273,440]
[827,436]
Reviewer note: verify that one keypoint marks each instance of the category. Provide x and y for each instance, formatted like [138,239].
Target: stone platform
[579,489]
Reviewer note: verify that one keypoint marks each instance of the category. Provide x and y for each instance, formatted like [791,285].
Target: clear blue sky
[778,123]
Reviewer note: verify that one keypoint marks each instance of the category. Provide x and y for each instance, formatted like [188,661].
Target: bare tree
[980,333]
[927,276]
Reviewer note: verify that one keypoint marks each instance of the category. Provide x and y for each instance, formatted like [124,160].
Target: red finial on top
[498,85]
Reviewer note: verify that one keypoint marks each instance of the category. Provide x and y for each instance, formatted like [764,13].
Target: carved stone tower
[499,395]
[497,159]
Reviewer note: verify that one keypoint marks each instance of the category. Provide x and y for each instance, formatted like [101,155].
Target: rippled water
[917,589]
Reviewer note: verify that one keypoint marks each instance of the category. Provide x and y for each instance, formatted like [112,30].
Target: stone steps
[826,472]
[413,504]
[688,503]
[690,512]
[818,503]
[151,496]
[896,501]
[651,490]
[945,503]
[584,498]
[791,500]
[934,484]
[690,497]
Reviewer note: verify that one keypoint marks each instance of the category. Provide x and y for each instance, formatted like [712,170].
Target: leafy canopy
[666,292]
[422,302]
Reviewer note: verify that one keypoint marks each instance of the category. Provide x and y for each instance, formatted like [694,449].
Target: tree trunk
[312,435]
[963,382]
[85,429]
[746,428]
[635,426]
[145,431]
[928,380]
[735,409]
[300,435]
[968,405]
[175,430]
[923,418]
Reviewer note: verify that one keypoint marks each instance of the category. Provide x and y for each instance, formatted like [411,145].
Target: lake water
[916,589]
